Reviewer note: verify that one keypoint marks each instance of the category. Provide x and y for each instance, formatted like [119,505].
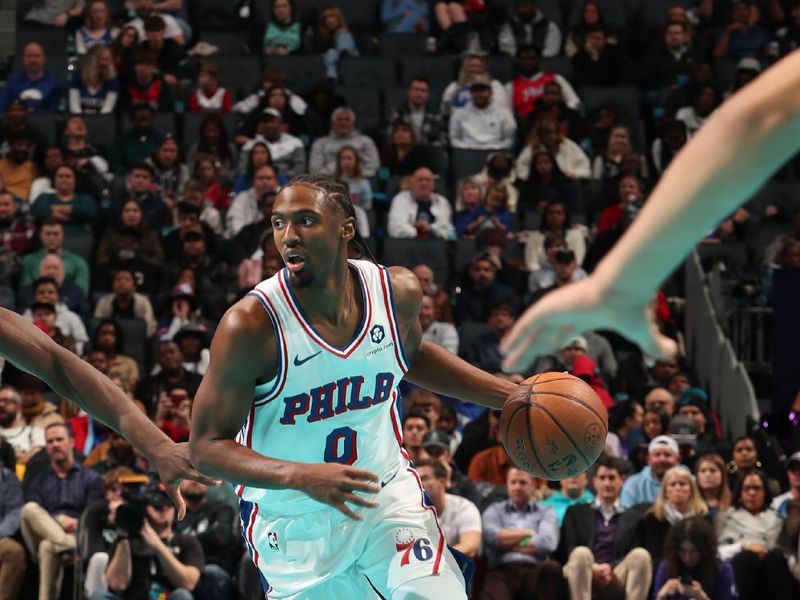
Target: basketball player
[30,349]
[309,361]
[736,150]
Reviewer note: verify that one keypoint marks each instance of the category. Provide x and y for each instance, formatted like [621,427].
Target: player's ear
[348,228]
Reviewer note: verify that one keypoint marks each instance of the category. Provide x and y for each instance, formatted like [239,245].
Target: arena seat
[401,45]
[81,244]
[241,75]
[366,103]
[101,130]
[46,124]
[230,43]
[439,70]
[52,40]
[625,98]
[501,66]
[468,332]
[302,72]
[411,252]
[560,65]
[368,72]
[164,123]
[613,12]
[467,162]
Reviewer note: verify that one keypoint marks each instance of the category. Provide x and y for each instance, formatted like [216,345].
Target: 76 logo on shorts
[406,543]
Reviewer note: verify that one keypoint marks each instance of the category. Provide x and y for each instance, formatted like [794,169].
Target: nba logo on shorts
[272,537]
[377,334]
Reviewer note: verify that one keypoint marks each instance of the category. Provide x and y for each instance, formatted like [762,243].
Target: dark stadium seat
[219,15]
[401,45]
[366,103]
[101,129]
[164,123]
[411,252]
[613,12]
[46,124]
[621,98]
[439,70]
[654,12]
[468,332]
[781,194]
[368,72]
[759,236]
[241,75]
[467,162]
[558,64]
[501,66]
[302,72]
[81,244]
[191,127]
[550,9]
[54,41]
[361,15]
[230,43]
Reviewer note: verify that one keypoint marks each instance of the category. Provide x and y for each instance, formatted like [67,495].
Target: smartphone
[686,579]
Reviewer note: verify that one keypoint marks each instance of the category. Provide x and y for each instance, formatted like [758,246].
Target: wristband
[524,541]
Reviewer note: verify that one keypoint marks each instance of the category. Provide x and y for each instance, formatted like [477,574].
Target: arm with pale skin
[30,349]
[737,149]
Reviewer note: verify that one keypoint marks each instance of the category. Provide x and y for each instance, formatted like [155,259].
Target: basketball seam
[565,432]
[533,445]
[579,401]
[504,435]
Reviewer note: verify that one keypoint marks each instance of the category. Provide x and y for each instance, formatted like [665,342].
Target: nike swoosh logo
[298,362]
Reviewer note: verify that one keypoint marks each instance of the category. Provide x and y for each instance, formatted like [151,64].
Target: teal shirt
[276,37]
[84,211]
[560,503]
[76,269]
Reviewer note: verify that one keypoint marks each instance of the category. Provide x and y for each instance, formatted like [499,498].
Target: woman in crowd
[654,423]
[704,102]
[547,137]
[53,158]
[748,537]
[492,214]
[457,95]
[115,245]
[712,480]
[630,192]
[348,171]
[590,17]
[207,172]
[97,30]
[403,154]
[555,220]
[284,33]
[470,197]
[126,41]
[110,338]
[623,419]
[544,182]
[744,457]
[169,172]
[609,163]
[678,499]
[258,156]
[278,97]
[213,142]
[77,212]
[333,39]
[691,568]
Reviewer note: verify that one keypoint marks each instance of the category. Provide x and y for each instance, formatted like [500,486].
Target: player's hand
[583,306]
[173,465]
[335,484]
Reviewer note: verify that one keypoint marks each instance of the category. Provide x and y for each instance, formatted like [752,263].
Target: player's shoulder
[246,324]
[406,289]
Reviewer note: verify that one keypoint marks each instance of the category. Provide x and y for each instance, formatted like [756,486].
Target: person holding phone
[690,568]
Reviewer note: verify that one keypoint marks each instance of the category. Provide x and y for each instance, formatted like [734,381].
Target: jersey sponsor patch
[377,334]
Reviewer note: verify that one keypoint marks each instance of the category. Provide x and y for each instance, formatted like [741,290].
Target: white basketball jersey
[328,404]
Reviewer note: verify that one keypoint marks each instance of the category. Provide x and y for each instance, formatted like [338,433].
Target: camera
[137,495]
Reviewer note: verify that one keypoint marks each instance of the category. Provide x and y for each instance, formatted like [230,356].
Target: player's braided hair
[336,191]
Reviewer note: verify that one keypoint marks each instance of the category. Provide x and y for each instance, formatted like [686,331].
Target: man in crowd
[459,518]
[644,486]
[171,376]
[244,209]
[286,150]
[419,212]
[660,399]
[598,62]
[481,125]
[324,150]
[428,124]
[519,535]
[51,236]
[669,62]
[791,497]
[481,291]
[598,542]
[415,425]
[16,231]
[26,439]
[40,91]
[144,10]
[528,86]
[124,302]
[12,554]
[573,492]
[17,169]
[134,146]
[437,332]
[565,272]
[70,294]
[172,56]
[54,501]
[529,26]
[70,324]
[484,352]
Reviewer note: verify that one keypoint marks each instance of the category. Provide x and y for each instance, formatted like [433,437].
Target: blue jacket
[39,95]
[10,503]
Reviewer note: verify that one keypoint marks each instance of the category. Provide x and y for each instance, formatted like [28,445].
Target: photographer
[150,560]
[173,414]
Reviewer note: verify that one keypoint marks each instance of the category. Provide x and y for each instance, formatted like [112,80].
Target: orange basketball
[553,426]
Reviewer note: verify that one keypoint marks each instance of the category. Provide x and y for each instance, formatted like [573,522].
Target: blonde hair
[462,72]
[697,505]
[90,66]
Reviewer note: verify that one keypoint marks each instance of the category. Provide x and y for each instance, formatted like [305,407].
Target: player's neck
[334,299]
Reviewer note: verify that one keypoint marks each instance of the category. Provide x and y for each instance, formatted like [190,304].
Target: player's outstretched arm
[745,140]
[27,347]
[243,350]
[433,367]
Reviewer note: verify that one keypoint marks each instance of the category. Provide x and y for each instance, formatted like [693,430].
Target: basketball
[553,426]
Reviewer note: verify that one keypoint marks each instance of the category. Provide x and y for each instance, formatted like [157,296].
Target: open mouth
[294,261]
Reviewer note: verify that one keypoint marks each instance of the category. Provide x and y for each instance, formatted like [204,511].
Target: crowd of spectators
[523,137]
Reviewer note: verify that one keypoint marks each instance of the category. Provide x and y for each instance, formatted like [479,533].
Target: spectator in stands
[333,39]
[91,166]
[171,56]
[519,534]
[123,47]
[704,102]
[572,493]
[498,169]
[183,311]
[667,64]
[51,236]
[16,230]
[781,503]
[458,517]
[598,542]
[283,34]
[707,440]
[482,125]
[449,13]
[98,27]
[748,538]
[624,423]
[343,133]
[590,17]
[404,154]
[741,37]
[565,270]
[745,458]
[286,152]
[130,241]
[194,341]
[124,302]
[420,400]
[213,141]
[629,193]
[34,410]
[77,212]
[690,552]
[599,63]
[543,183]
[172,414]
[55,499]
[254,237]
[609,164]
[55,13]
[94,88]
[470,198]
[170,173]
[348,171]
[458,93]
[25,439]
[17,169]
[110,337]
[188,219]
[15,121]
[644,486]
[40,91]
[43,316]
[146,86]
[788,36]
[203,198]
[136,145]
[71,295]
[404,16]
[555,223]
[415,425]
[256,155]
[157,559]
[171,376]
[216,194]
[529,84]
[46,291]
[209,95]
[529,26]
[429,126]
[12,554]
[481,291]
[552,103]
[491,214]
[145,9]
[484,351]
[244,209]
[419,212]
[672,138]
[547,136]
[712,481]
[441,299]
[678,499]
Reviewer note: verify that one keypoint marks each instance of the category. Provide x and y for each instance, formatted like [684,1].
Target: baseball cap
[749,64]
[475,5]
[664,441]
[271,112]
[182,290]
[436,437]
[793,459]
[480,81]
[578,342]
[682,429]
